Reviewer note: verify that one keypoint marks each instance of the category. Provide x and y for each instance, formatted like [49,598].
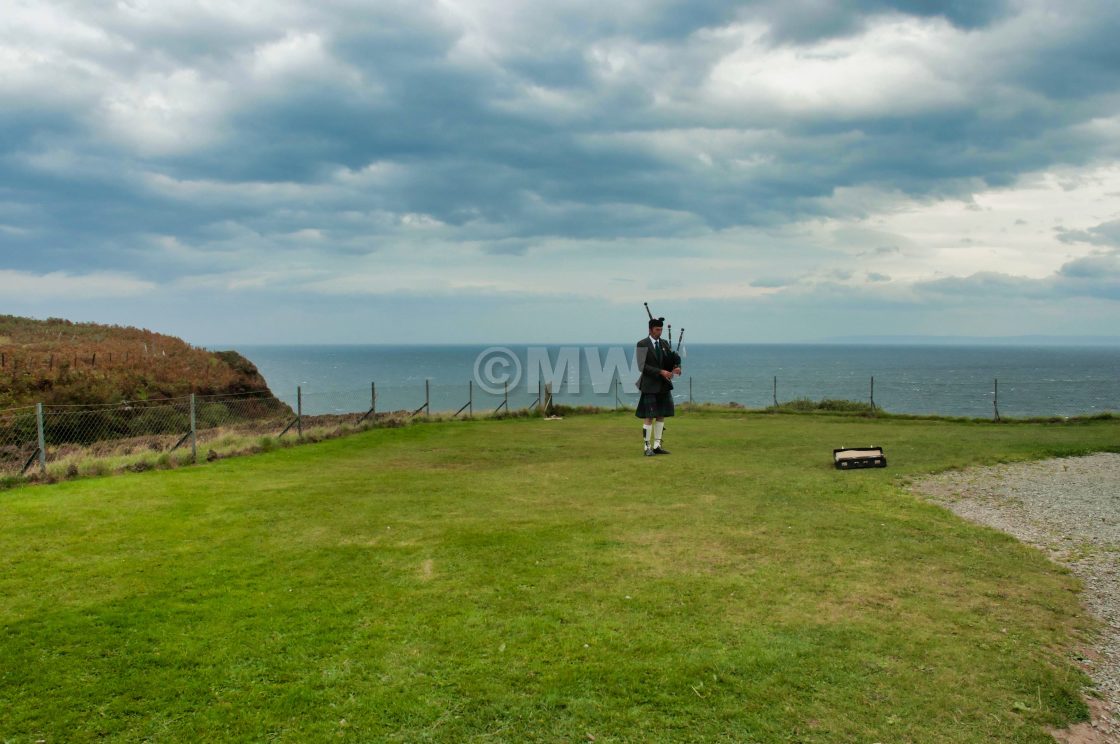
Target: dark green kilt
[655,405]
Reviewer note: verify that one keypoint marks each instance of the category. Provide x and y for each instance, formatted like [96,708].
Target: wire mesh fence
[99,438]
[104,437]
[966,397]
[33,438]
[19,442]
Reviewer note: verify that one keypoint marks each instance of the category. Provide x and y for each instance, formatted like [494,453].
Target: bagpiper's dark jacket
[652,360]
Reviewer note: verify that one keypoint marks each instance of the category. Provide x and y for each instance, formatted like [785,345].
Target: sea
[949,380]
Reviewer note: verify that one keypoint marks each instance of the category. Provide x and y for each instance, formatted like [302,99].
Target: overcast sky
[493,171]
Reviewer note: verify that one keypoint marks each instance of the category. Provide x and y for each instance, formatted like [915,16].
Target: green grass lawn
[530,580]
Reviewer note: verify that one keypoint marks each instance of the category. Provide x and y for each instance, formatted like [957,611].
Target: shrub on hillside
[159,420]
[805,405]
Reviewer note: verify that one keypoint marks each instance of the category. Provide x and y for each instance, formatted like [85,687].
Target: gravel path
[1069,508]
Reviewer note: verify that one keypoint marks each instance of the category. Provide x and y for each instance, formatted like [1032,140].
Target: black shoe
[659,451]
[649,452]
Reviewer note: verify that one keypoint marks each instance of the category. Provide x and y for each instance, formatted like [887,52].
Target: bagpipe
[674,355]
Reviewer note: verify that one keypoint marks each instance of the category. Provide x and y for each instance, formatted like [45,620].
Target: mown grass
[534,580]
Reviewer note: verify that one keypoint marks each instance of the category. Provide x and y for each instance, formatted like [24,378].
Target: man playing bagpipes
[659,364]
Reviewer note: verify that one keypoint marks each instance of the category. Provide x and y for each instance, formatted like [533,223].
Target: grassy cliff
[56,361]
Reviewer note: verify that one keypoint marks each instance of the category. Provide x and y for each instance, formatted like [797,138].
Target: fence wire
[19,439]
[117,434]
[74,434]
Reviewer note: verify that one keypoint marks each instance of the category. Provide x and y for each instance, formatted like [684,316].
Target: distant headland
[58,362]
[1027,340]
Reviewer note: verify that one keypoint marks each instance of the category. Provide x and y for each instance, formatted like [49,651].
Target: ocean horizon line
[948,341]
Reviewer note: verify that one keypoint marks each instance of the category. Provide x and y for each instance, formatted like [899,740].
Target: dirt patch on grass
[1088,732]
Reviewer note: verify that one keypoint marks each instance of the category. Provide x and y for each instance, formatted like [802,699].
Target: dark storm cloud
[523,135]
[810,20]
[1067,67]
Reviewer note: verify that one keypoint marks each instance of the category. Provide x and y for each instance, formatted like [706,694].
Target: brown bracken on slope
[57,362]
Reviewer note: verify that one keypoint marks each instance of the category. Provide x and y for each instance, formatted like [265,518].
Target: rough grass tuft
[827,405]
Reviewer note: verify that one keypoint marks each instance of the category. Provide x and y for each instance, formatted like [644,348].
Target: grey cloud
[986,284]
[883,250]
[464,150]
[772,282]
[875,276]
[1094,276]
[1097,265]
[507,248]
[1069,66]
[809,20]
[1107,234]
[663,20]
[1097,275]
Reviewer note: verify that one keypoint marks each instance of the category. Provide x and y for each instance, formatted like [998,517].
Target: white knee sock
[657,429]
[646,430]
